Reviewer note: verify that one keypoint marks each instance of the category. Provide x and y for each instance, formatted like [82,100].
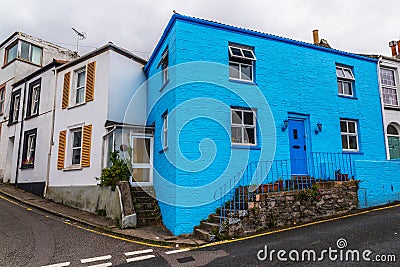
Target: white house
[389,73]
[92,95]
[22,55]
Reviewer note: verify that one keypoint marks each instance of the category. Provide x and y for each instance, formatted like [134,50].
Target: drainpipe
[51,143]
[20,134]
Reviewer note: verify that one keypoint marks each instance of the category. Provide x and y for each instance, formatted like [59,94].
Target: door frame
[307,132]
[143,165]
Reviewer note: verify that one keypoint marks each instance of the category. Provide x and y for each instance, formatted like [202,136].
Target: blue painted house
[231,105]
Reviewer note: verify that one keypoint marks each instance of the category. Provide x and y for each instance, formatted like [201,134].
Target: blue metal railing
[275,176]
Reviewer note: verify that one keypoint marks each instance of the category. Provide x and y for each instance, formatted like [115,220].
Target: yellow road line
[93,231]
[297,227]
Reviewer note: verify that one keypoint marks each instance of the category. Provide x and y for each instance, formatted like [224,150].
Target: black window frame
[11,114]
[24,164]
[30,95]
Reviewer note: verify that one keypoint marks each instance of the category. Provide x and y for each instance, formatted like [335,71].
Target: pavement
[149,234]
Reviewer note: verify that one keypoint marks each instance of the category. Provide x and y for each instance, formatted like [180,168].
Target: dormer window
[24,51]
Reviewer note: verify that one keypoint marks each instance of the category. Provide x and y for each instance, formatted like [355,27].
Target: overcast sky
[360,26]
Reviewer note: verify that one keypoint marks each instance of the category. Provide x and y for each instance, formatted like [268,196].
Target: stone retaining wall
[289,208]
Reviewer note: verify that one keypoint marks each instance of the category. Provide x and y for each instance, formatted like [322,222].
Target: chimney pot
[316,37]
[392,45]
[398,47]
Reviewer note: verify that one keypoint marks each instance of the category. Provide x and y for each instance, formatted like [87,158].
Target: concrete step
[202,234]
[209,227]
[144,221]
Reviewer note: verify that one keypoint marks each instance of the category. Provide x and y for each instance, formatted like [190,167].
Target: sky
[359,26]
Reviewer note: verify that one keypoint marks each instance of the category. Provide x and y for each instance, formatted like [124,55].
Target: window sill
[12,123]
[31,116]
[164,85]
[27,166]
[251,147]
[397,108]
[76,105]
[242,81]
[73,168]
[19,59]
[348,96]
[353,152]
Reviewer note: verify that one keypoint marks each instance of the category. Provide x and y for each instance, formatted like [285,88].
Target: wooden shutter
[65,95]
[86,145]
[61,149]
[90,77]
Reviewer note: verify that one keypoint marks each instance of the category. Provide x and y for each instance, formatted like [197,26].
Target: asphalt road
[30,237]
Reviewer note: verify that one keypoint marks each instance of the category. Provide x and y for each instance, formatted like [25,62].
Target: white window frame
[16,103]
[389,87]
[239,62]
[244,126]
[18,44]
[71,147]
[165,131]
[31,143]
[148,165]
[344,79]
[35,100]
[164,62]
[2,99]
[347,134]
[76,88]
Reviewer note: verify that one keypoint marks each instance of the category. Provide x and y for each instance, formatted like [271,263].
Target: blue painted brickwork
[294,79]
[380,182]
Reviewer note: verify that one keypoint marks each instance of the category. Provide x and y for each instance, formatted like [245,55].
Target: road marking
[102,258]
[140,258]
[177,251]
[62,264]
[102,265]
[138,252]
[298,226]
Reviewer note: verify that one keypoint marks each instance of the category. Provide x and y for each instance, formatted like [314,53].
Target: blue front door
[298,148]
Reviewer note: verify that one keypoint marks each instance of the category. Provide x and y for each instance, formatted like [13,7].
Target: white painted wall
[11,74]
[94,113]
[390,116]
[126,76]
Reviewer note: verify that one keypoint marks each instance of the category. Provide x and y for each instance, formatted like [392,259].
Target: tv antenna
[80,36]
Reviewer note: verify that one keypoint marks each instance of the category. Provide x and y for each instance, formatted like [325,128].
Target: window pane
[236,134]
[81,79]
[339,73]
[141,175]
[348,74]
[141,150]
[80,94]
[392,130]
[77,139]
[234,70]
[12,53]
[387,77]
[347,88]
[236,51]
[340,87]
[24,50]
[236,116]
[343,127]
[248,118]
[249,136]
[76,156]
[353,142]
[248,53]
[246,72]
[352,127]
[36,55]
[344,142]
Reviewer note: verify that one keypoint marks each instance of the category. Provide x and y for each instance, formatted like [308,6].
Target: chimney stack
[392,45]
[315,37]
[398,48]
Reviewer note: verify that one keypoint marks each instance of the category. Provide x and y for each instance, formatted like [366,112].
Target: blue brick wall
[290,80]
[380,182]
